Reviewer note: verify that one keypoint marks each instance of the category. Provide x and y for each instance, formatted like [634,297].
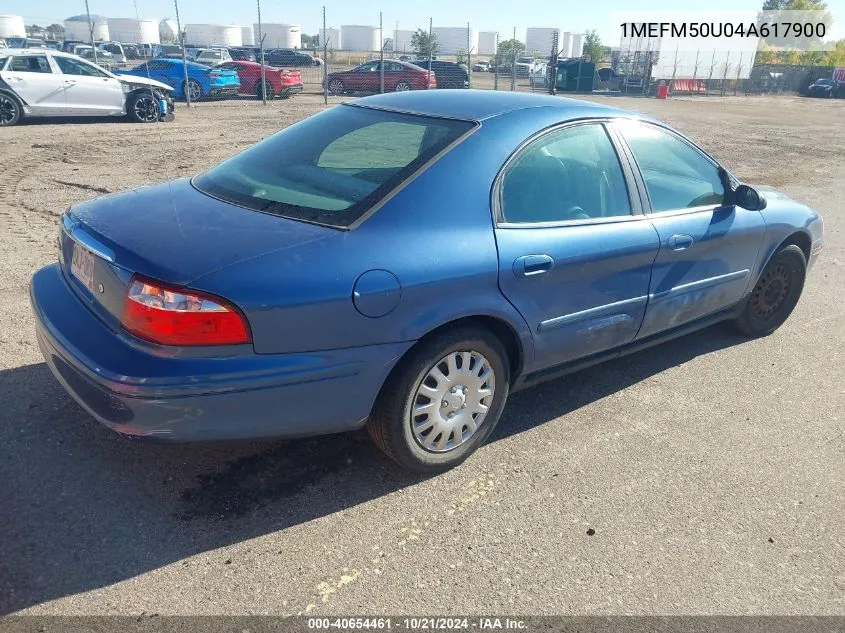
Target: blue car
[404,262]
[202,80]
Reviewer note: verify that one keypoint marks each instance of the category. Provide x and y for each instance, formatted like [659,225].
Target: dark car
[825,88]
[243,54]
[398,77]
[289,57]
[449,74]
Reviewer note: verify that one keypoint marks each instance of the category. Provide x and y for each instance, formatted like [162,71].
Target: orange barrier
[688,85]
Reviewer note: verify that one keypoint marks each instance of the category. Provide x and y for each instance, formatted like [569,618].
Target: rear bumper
[227,90]
[137,390]
[291,89]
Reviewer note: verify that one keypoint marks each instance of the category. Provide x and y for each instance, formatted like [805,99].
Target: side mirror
[749,198]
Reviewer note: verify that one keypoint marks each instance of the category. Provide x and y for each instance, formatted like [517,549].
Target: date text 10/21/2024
[416,623]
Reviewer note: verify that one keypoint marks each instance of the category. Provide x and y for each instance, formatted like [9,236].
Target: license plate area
[82,265]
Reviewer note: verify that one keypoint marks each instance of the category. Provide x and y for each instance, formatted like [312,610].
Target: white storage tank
[247,36]
[331,37]
[77,28]
[577,44]
[565,45]
[538,40]
[402,41]
[132,31]
[207,34]
[168,33]
[360,38]
[280,35]
[451,39]
[487,42]
[12,26]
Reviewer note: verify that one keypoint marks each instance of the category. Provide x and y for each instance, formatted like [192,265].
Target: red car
[398,76]
[281,82]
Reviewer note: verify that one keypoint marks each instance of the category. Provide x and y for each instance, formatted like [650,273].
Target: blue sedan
[404,262]
[202,80]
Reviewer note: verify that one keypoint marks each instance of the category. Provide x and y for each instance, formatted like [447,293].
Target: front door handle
[679,242]
[531,265]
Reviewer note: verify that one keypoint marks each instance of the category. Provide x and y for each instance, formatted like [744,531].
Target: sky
[483,15]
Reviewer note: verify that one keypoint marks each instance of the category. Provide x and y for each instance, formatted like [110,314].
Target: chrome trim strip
[589,313]
[699,285]
[88,242]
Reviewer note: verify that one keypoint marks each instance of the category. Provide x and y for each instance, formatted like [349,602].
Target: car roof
[6,52]
[477,105]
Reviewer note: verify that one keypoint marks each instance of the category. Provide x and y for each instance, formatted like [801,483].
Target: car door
[707,248]
[89,90]
[575,251]
[36,82]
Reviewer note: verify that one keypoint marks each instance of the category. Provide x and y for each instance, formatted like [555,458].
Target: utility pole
[430,51]
[496,61]
[513,62]
[381,54]
[261,55]
[325,60]
[184,57]
[91,30]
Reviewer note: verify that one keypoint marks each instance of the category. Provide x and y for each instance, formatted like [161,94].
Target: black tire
[336,87]
[268,90]
[142,107]
[11,110]
[390,423]
[775,294]
[192,87]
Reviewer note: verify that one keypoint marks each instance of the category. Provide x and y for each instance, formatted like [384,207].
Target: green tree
[835,57]
[768,51]
[593,48]
[508,51]
[423,44]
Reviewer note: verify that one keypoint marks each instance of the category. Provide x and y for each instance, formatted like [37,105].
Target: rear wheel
[442,401]
[336,87]
[403,86]
[10,109]
[142,108]
[776,293]
[268,90]
[193,89]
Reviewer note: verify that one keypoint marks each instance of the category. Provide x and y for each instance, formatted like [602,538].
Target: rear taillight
[178,316]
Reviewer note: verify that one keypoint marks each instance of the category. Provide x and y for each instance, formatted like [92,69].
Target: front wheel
[336,87]
[776,293]
[442,401]
[143,108]
[10,110]
[193,89]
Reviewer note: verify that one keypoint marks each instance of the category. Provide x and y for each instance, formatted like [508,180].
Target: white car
[213,56]
[41,82]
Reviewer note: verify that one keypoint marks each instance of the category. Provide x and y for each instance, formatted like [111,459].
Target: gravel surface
[703,476]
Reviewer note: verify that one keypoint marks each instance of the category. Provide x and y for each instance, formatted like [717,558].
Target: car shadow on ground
[84,508]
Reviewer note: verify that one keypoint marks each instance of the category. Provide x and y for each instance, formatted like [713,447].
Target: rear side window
[331,168]
[568,174]
[30,64]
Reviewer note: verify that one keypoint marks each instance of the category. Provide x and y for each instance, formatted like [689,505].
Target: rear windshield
[332,167]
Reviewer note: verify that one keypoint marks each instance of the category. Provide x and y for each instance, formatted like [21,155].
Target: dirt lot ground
[711,469]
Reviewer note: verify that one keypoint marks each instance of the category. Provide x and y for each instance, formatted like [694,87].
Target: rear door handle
[531,265]
[70,81]
[679,242]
